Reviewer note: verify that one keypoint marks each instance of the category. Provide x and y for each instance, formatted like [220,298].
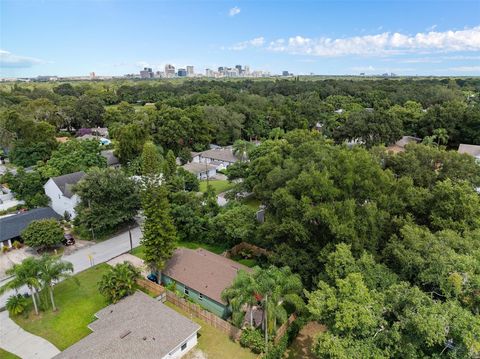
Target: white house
[221,158]
[201,170]
[59,190]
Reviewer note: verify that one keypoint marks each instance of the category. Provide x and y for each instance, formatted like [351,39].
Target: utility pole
[130,236]
[266,324]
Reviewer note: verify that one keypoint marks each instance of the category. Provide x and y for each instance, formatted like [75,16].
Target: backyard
[214,344]
[218,186]
[215,248]
[77,299]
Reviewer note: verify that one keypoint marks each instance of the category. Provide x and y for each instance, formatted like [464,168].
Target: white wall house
[221,158]
[201,170]
[59,190]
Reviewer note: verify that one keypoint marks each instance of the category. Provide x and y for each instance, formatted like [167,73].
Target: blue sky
[113,37]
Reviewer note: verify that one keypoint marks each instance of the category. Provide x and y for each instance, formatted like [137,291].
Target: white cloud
[431,28]
[465,69]
[234,11]
[256,42]
[381,44]
[7,59]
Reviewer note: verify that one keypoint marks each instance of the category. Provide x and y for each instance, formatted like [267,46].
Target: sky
[116,37]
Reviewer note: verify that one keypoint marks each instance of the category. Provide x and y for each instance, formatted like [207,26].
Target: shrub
[5,249]
[16,304]
[119,282]
[17,245]
[43,233]
[253,339]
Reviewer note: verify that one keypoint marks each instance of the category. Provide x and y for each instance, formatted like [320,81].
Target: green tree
[129,141]
[27,186]
[441,136]
[235,224]
[272,288]
[25,273]
[120,281]
[170,166]
[108,198]
[43,233]
[151,159]
[159,233]
[88,112]
[52,270]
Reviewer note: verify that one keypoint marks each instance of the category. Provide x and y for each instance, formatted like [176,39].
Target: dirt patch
[303,343]
[196,354]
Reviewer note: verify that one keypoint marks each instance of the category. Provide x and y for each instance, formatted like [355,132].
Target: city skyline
[119,37]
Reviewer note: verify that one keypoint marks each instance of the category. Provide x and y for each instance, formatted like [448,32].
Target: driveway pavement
[23,344]
[87,257]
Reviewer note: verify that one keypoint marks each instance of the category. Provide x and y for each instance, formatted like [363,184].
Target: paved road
[101,252]
[23,344]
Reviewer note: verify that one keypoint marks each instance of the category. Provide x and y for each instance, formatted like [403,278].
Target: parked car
[68,239]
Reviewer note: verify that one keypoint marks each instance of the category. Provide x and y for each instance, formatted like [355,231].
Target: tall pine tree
[159,232]
[151,159]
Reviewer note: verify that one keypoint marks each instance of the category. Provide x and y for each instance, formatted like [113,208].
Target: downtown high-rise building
[190,71]
[169,70]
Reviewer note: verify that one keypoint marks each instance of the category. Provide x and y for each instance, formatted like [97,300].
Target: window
[184,346]
[186,291]
[200,296]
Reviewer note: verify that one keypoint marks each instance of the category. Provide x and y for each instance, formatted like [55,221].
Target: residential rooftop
[196,168]
[136,327]
[219,154]
[12,226]
[66,182]
[204,271]
[472,150]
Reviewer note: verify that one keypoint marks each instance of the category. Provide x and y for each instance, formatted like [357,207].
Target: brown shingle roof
[203,271]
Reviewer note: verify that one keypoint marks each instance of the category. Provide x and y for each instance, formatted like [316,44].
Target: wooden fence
[154,288]
[210,318]
[283,328]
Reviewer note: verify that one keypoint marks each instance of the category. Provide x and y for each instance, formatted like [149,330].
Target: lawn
[214,343]
[302,345]
[77,299]
[219,186]
[215,248]
[252,202]
[7,355]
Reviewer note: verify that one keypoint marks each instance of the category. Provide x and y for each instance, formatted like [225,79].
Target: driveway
[23,344]
[87,257]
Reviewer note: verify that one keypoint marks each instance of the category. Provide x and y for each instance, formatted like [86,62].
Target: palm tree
[52,270]
[271,288]
[241,149]
[25,273]
[441,135]
[119,281]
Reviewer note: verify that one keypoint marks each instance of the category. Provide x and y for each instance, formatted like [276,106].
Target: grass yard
[249,262]
[215,248]
[219,186]
[252,202]
[7,355]
[214,343]
[77,299]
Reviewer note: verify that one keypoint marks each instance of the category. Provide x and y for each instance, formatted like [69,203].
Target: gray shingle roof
[66,182]
[136,327]
[219,154]
[12,226]
[112,160]
[196,168]
[203,271]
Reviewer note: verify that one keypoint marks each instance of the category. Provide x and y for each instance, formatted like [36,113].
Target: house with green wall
[202,276]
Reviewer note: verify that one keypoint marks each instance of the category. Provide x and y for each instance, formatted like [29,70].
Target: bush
[253,339]
[16,304]
[5,249]
[17,245]
[119,282]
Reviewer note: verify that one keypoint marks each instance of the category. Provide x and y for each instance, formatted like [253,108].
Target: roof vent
[124,333]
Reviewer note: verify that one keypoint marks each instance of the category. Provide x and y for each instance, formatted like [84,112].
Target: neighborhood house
[201,170]
[472,150]
[136,327]
[12,226]
[59,190]
[220,157]
[202,276]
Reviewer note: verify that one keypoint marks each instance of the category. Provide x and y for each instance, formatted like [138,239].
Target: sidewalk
[21,343]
